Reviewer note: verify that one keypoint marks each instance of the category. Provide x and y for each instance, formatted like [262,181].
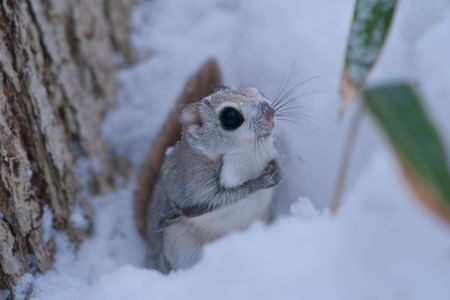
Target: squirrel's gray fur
[214,180]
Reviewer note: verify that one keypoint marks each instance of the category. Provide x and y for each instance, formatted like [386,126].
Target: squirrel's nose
[268,112]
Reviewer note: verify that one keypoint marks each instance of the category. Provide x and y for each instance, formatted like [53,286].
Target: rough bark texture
[57,80]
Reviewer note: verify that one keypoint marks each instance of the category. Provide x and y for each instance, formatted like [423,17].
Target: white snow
[47,227]
[382,245]
[78,219]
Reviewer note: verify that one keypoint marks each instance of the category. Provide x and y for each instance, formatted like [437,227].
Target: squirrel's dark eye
[231,118]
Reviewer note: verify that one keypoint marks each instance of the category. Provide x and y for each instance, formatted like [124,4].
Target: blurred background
[267,44]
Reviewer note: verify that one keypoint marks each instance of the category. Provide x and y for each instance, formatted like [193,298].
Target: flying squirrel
[218,178]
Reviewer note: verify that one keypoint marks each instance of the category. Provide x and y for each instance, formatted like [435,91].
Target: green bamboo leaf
[401,115]
[368,33]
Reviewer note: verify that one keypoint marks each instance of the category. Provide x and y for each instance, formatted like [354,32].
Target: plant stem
[346,157]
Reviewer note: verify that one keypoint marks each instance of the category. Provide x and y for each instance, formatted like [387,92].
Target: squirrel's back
[198,86]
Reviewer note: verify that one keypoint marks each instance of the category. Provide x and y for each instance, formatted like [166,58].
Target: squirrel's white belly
[238,167]
[236,216]
[246,163]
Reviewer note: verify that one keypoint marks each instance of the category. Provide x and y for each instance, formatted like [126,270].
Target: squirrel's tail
[201,84]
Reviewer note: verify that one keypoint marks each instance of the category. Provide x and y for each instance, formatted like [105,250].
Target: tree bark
[57,79]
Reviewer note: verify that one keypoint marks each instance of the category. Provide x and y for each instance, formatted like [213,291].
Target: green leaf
[368,33]
[401,115]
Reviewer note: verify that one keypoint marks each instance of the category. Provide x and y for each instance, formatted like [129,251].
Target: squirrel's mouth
[265,130]
[265,123]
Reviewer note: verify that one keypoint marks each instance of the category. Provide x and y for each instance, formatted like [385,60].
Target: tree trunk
[57,80]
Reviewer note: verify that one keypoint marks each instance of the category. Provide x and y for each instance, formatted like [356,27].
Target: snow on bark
[57,80]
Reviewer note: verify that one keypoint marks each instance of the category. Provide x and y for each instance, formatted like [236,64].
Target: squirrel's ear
[190,115]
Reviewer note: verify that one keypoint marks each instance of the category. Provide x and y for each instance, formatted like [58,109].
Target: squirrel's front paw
[271,175]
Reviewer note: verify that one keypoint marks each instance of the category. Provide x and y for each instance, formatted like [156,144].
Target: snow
[47,218]
[78,219]
[382,244]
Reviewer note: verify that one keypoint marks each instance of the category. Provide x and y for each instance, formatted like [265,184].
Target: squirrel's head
[226,120]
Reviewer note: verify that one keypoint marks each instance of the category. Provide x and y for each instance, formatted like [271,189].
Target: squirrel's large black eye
[231,118]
